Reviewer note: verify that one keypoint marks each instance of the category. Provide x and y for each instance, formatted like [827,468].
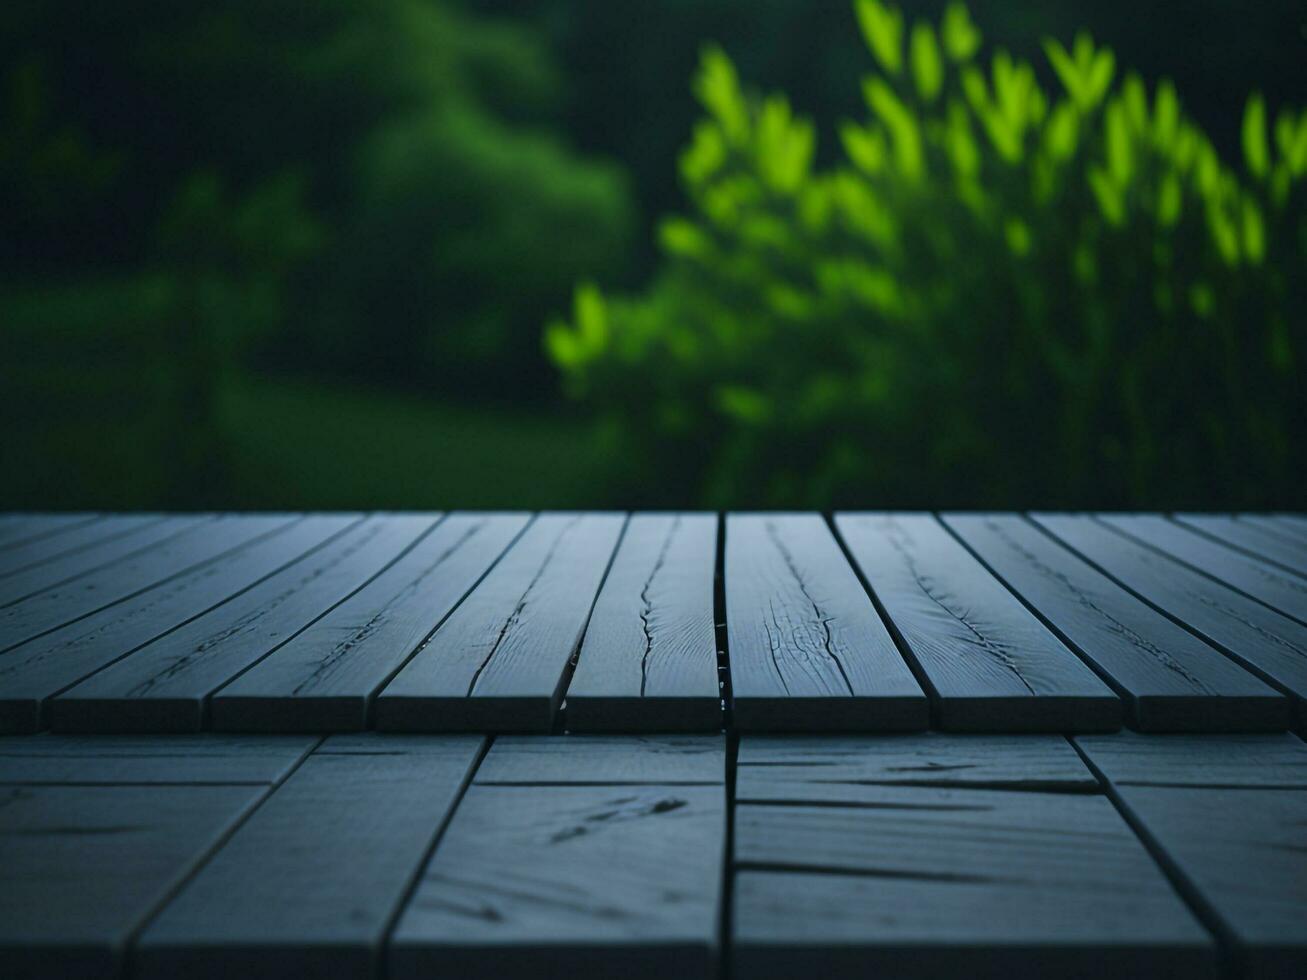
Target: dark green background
[260,253]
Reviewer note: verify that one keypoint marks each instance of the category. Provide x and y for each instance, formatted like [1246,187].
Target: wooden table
[593,744]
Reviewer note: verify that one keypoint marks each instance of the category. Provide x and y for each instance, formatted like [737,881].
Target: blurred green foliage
[372,190]
[1018,284]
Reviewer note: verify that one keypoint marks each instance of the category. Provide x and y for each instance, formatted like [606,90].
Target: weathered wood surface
[81,867]
[813,768]
[943,881]
[604,760]
[500,661]
[1281,590]
[1295,524]
[21,529]
[137,533]
[1269,644]
[569,880]
[148,759]
[199,541]
[990,664]
[1222,822]
[326,677]
[1266,761]
[807,648]
[1281,549]
[309,884]
[90,535]
[649,658]
[37,670]
[1169,679]
[164,685]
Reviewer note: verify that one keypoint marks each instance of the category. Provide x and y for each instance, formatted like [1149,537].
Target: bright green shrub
[1010,291]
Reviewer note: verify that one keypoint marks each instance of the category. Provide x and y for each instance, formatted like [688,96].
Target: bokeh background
[576,253]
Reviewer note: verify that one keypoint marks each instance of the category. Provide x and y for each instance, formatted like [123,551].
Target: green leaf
[1120,156]
[1256,149]
[882,27]
[718,88]
[1166,114]
[905,133]
[959,34]
[1169,200]
[1099,78]
[1062,132]
[1135,98]
[1111,201]
[866,148]
[679,236]
[1254,231]
[743,404]
[927,64]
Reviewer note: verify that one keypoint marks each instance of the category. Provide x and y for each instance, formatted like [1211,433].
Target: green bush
[1019,286]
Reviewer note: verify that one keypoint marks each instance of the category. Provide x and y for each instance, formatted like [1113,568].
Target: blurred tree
[418,137]
[1003,294]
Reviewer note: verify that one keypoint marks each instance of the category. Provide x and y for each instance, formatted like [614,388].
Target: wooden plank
[500,661]
[1236,847]
[194,547]
[1279,525]
[139,535]
[1294,522]
[48,548]
[164,685]
[807,649]
[990,664]
[310,883]
[21,529]
[1170,680]
[566,881]
[326,677]
[50,760]
[946,881]
[1265,761]
[824,769]
[649,659]
[1270,645]
[1281,549]
[1270,584]
[82,866]
[604,760]
[36,671]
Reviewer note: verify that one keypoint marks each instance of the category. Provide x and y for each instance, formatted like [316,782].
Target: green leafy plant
[1019,285]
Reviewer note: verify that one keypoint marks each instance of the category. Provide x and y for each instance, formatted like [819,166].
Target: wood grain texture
[1242,852]
[561,881]
[198,543]
[1169,679]
[21,529]
[1270,584]
[146,760]
[1284,550]
[35,671]
[164,686]
[649,658]
[605,760]
[139,533]
[807,648]
[82,866]
[1213,761]
[948,880]
[833,769]
[326,677]
[991,665]
[50,548]
[1271,645]
[1295,524]
[500,661]
[308,885]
